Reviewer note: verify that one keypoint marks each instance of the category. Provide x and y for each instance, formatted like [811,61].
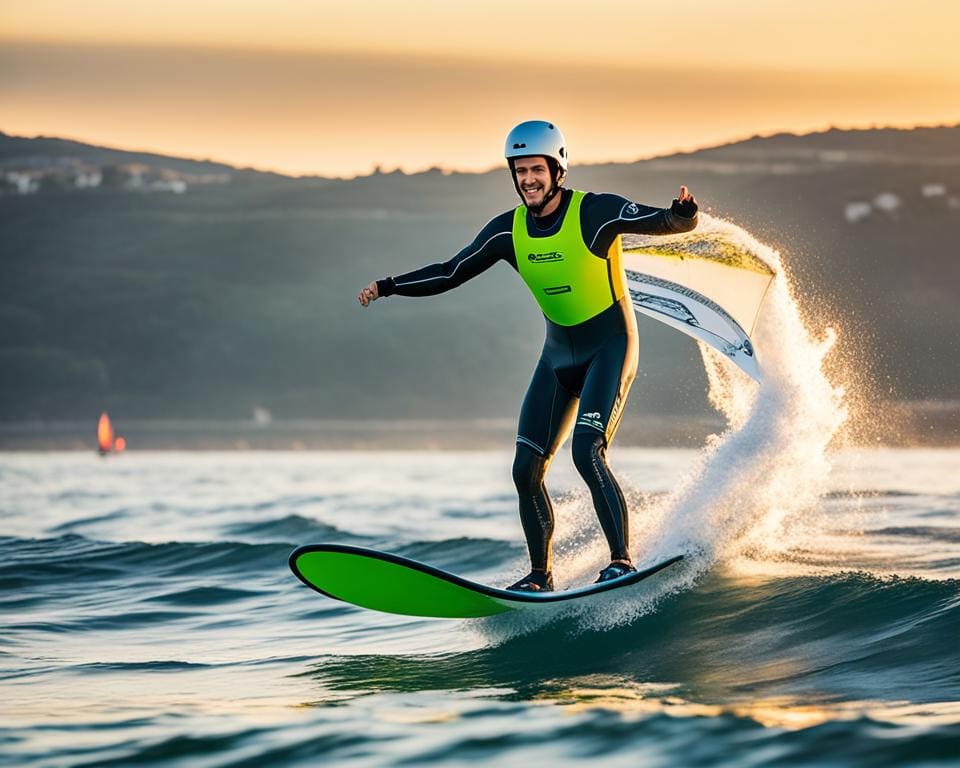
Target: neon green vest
[569,283]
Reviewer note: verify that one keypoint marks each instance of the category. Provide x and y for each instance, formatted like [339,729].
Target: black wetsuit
[591,363]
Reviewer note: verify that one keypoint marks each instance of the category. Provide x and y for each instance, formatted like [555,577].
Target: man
[565,244]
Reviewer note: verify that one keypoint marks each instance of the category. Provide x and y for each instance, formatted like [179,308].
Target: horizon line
[382,168]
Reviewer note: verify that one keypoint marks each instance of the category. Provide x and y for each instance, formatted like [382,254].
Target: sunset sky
[338,88]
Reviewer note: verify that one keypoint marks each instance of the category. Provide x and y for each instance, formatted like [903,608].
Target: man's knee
[588,447]
[529,467]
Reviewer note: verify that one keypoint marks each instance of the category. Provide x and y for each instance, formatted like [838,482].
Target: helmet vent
[519,146]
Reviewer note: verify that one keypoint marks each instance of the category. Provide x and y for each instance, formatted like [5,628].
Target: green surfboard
[390,583]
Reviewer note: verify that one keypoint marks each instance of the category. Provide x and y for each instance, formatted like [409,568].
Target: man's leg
[589,455]
[602,400]
[545,420]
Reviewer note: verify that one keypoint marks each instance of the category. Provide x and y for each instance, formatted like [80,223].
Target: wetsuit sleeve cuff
[386,287]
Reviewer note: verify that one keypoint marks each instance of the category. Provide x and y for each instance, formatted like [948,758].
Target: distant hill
[174,288]
[17,151]
[890,145]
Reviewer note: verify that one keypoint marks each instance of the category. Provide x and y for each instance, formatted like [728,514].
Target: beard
[542,196]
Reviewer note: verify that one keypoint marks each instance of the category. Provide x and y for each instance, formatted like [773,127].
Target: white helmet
[537,138]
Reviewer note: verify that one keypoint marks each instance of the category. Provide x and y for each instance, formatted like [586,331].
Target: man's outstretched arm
[611,215]
[495,242]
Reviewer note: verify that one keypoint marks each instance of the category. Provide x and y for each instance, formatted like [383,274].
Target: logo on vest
[540,258]
[632,209]
[557,290]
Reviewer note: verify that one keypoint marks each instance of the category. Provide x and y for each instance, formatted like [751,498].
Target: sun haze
[337,89]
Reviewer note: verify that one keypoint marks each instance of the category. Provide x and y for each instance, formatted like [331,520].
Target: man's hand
[368,294]
[685,204]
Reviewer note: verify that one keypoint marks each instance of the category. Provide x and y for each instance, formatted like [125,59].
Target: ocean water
[149,618]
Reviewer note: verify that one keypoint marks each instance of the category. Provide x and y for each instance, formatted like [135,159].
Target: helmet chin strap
[555,186]
[537,209]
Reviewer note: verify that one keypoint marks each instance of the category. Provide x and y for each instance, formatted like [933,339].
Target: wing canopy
[703,283]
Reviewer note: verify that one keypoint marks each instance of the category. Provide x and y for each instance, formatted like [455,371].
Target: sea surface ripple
[149,617]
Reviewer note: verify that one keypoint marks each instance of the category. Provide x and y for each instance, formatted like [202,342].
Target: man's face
[533,179]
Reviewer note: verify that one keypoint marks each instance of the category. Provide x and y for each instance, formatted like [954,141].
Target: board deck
[391,583]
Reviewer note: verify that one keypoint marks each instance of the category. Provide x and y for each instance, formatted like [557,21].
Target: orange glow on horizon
[343,115]
[316,88]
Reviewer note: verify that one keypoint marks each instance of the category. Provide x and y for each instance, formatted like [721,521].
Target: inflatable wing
[703,283]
